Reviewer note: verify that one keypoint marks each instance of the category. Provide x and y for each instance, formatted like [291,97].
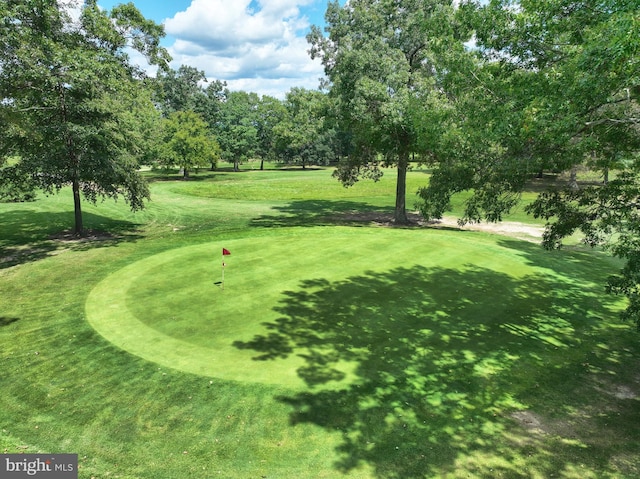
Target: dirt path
[507,228]
[513,229]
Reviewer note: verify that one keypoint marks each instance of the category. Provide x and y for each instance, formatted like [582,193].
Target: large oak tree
[385,60]
[236,129]
[72,104]
[302,137]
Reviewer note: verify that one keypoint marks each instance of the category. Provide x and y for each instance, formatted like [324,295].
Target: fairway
[168,309]
[397,256]
[338,347]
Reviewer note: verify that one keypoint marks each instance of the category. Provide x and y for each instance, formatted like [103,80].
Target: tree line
[75,111]
[488,94]
[237,126]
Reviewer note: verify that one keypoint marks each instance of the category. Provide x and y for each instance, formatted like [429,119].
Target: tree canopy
[270,113]
[302,136]
[72,103]
[384,61]
[237,127]
[556,85]
[186,142]
[180,90]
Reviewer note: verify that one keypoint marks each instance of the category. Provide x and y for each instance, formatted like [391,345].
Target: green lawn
[337,348]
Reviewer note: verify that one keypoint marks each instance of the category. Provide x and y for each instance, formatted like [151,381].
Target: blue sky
[256,46]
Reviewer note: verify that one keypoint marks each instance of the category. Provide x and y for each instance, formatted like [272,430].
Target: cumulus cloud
[247,43]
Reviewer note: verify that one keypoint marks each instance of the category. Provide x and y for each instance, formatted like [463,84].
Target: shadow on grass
[206,174]
[458,372]
[323,212]
[175,176]
[7,321]
[30,235]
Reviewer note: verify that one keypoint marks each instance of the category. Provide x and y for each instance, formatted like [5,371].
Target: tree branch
[612,120]
[35,108]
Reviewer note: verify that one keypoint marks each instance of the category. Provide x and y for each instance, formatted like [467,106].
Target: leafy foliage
[552,89]
[270,113]
[608,216]
[15,186]
[384,61]
[555,87]
[302,137]
[71,99]
[237,127]
[186,142]
[179,90]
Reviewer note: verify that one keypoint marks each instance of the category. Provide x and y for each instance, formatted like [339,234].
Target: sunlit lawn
[337,348]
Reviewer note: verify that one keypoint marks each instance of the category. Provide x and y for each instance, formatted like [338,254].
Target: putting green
[168,309]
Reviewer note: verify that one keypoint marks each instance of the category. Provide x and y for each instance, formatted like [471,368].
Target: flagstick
[224,253]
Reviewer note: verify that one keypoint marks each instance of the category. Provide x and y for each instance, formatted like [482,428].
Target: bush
[15,186]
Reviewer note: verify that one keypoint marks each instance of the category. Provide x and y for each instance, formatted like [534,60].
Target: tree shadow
[4,321]
[175,177]
[421,369]
[324,212]
[30,235]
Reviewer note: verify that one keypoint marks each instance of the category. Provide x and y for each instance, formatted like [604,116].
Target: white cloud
[255,46]
[275,87]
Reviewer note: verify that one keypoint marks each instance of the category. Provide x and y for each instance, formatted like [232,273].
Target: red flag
[225,252]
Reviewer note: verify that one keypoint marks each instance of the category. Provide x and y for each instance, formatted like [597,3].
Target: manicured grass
[335,349]
[168,308]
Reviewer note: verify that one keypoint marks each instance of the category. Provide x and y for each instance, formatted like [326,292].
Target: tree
[551,90]
[302,137]
[566,75]
[270,113]
[237,127]
[184,90]
[71,98]
[210,107]
[384,60]
[483,142]
[180,90]
[187,142]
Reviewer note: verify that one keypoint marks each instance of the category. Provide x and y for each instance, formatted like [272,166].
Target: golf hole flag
[225,252]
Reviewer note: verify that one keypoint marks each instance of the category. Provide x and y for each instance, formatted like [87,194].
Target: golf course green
[173,309]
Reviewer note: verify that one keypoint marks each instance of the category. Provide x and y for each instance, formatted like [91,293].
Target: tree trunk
[605,175]
[573,179]
[77,208]
[261,164]
[78,229]
[400,214]
[236,165]
[185,173]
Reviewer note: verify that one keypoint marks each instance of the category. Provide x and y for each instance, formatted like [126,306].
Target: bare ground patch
[507,228]
[603,423]
[530,421]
